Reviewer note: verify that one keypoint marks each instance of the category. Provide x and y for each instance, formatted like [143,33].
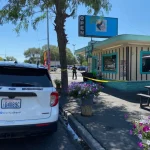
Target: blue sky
[133,17]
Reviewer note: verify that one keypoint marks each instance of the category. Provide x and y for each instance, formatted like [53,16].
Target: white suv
[29,102]
[53,68]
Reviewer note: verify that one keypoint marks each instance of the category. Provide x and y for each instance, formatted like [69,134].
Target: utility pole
[5,53]
[48,46]
[74,52]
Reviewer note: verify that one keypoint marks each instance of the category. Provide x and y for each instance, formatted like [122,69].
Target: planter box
[86,106]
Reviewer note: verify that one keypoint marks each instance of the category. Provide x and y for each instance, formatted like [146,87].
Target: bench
[148,87]
[141,98]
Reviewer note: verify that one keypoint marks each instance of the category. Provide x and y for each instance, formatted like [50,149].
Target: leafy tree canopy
[81,59]
[11,58]
[30,54]
[1,59]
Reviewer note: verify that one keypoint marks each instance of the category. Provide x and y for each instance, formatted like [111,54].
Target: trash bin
[86,74]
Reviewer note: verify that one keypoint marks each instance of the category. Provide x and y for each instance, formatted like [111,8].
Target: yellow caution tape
[105,81]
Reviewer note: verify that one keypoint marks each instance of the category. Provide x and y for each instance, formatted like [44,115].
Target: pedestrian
[74,71]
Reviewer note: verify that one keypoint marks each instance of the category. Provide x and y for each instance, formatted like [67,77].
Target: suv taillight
[54,99]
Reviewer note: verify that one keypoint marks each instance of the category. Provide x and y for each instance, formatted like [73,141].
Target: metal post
[48,40]
[74,51]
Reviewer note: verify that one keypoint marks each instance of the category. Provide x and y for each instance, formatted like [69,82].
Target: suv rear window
[24,77]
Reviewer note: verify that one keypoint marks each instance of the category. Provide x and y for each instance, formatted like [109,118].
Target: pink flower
[131,132]
[146,128]
[134,126]
[140,124]
[140,144]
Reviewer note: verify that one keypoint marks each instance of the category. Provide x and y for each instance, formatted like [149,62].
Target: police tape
[104,81]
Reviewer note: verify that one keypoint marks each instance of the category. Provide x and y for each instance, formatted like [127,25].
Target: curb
[82,132]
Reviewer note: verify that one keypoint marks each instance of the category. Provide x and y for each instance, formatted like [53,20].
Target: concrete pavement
[108,126]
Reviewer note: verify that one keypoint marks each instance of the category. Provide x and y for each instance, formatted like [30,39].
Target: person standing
[74,71]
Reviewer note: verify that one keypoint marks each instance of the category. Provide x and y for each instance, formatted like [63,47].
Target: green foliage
[81,59]
[1,59]
[11,58]
[85,63]
[71,60]
[141,128]
[19,12]
[31,52]
[57,81]
[83,90]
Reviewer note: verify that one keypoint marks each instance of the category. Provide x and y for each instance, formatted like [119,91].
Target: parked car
[53,68]
[29,102]
[70,67]
[58,66]
[82,68]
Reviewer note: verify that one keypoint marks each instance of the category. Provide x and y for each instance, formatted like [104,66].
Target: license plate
[11,103]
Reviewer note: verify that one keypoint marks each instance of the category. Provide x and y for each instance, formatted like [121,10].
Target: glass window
[24,77]
[109,62]
[145,64]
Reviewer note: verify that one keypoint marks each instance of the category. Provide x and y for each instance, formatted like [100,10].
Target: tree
[19,11]
[54,50]
[1,59]
[31,54]
[85,63]
[81,59]
[71,60]
[11,58]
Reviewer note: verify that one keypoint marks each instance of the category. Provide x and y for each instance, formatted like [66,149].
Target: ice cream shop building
[123,58]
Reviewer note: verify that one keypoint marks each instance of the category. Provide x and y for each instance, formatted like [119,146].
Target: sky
[133,18]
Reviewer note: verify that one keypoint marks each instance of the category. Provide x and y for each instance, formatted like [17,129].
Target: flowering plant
[141,128]
[83,90]
[57,81]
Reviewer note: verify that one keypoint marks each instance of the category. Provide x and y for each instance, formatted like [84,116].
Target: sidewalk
[108,124]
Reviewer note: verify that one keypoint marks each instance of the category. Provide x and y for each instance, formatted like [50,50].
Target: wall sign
[96,26]
[81,26]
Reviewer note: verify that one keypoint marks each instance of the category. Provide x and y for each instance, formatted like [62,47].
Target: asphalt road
[58,141]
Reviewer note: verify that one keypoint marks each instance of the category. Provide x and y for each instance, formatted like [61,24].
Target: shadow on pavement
[127,96]
[108,124]
[57,141]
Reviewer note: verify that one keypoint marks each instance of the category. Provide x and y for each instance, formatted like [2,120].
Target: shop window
[109,62]
[145,62]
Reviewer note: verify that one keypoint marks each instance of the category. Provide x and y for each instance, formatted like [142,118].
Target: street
[58,141]
[57,75]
